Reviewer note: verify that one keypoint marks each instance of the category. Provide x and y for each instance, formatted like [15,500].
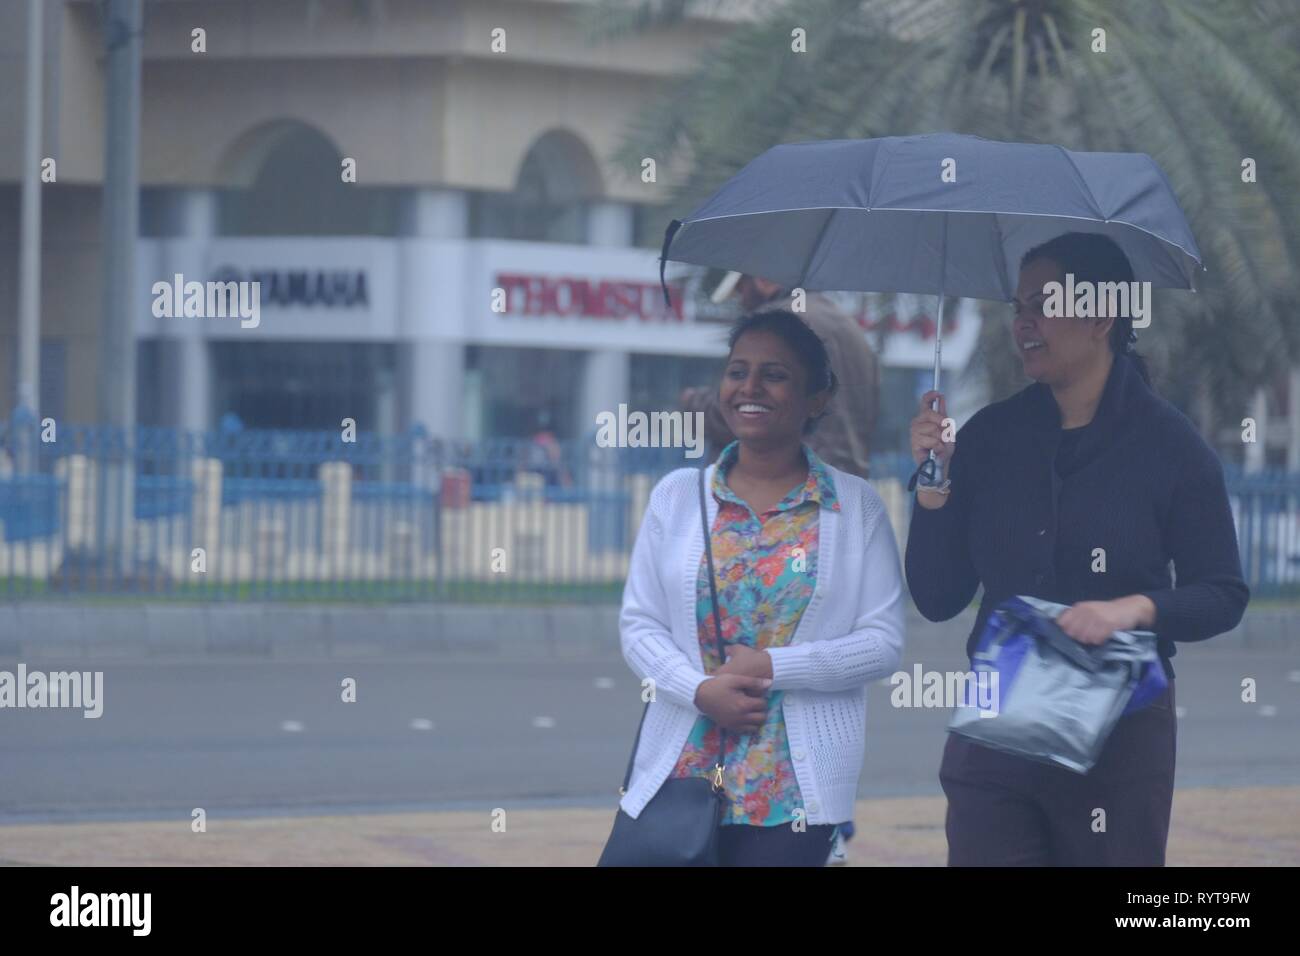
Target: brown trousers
[1005,810]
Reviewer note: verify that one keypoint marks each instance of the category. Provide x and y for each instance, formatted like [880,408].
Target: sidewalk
[1218,827]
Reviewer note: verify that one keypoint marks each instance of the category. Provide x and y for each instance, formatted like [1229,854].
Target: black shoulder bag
[679,826]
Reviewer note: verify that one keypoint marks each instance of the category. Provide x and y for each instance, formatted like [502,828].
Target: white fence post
[527,517]
[270,548]
[205,509]
[401,550]
[336,513]
[78,474]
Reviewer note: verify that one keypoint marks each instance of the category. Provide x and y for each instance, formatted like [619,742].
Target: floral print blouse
[766,567]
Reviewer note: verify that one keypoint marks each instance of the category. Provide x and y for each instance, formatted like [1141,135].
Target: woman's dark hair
[1092,257]
[801,340]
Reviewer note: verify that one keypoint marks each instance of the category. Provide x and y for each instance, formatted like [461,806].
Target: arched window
[557,179]
[288,182]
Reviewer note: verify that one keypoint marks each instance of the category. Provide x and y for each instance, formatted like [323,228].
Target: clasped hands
[735,695]
[746,661]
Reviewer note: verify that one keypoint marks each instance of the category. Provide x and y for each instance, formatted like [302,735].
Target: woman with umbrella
[1082,489]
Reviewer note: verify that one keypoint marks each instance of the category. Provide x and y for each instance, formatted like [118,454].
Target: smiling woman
[775,386]
[778,725]
[1056,344]
[781,346]
[1083,489]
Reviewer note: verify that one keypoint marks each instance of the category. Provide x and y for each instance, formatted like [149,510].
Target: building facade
[426,194]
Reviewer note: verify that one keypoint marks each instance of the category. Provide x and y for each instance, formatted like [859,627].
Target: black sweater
[1141,484]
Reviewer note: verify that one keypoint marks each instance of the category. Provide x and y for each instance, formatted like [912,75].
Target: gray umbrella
[938,214]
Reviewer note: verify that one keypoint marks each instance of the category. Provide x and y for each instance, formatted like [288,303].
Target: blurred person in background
[1088,461]
[809,595]
[545,454]
[843,438]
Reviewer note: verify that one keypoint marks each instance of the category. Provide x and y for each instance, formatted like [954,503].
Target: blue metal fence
[231,514]
[237,514]
[1266,509]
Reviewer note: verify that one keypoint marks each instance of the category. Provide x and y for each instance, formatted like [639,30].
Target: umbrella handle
[663,259]
[930,472]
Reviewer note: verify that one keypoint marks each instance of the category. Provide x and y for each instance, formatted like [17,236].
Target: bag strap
[713,589]
[717,630]
[717,633]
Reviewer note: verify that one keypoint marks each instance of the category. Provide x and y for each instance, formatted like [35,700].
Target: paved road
[266,737]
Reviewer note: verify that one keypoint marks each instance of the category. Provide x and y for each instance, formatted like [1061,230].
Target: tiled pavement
[1222,827]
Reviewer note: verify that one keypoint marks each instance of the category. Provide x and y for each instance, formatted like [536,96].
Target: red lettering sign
[922,324]
[528,295]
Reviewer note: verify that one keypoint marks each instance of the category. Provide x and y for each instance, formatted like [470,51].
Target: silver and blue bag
[1038,693]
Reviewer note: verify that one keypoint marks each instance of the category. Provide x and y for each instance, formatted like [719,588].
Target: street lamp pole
[123,22]
[29,255]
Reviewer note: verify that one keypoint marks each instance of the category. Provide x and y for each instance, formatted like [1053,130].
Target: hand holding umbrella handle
[929,474]
[930,445]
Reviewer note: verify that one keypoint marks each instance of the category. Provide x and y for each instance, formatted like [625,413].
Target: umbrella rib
[812,251]
[1096,206]
[1002,251]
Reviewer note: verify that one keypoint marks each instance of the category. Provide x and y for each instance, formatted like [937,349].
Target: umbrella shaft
[938,354]
[938,348]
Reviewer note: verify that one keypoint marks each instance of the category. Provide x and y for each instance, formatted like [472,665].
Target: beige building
[480,134]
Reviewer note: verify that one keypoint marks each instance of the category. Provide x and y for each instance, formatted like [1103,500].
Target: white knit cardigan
[851,633]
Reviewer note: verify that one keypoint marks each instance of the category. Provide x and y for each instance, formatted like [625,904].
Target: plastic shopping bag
[1056,700]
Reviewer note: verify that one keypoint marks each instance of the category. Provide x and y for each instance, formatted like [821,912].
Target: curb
[291,632]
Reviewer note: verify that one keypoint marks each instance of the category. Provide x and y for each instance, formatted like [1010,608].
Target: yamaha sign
[328,288]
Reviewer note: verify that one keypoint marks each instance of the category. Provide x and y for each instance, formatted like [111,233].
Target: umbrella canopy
[939,213]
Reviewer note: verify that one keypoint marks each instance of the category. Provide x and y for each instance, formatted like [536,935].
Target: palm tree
[1200,85]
